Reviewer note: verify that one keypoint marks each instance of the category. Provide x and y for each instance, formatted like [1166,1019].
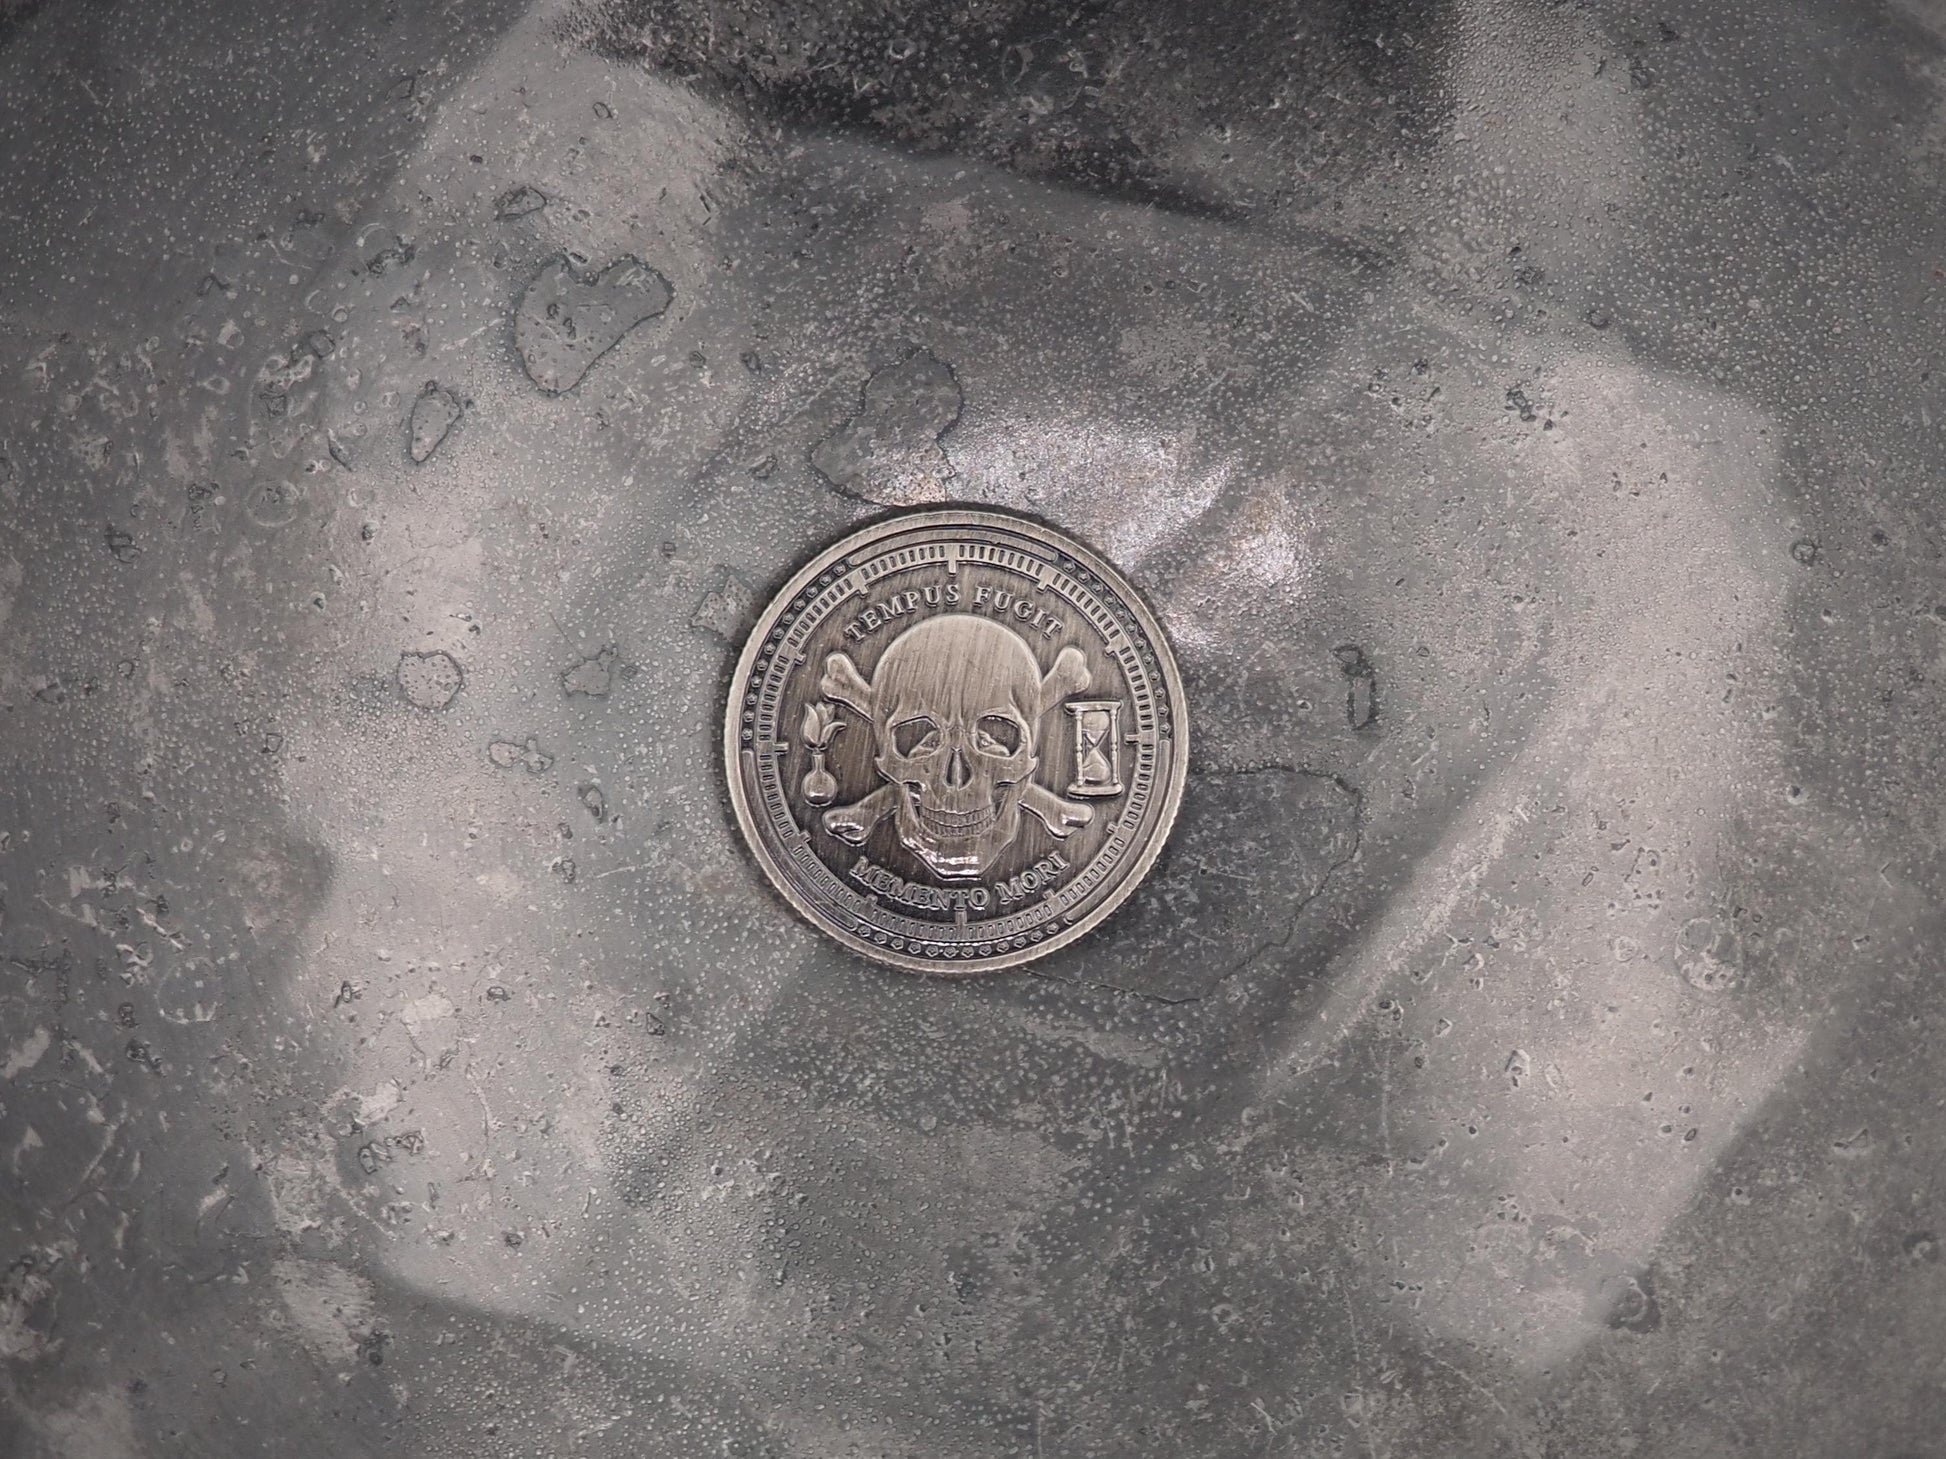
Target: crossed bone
[854,823]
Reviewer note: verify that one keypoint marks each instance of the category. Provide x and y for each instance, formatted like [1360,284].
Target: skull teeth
[953,823]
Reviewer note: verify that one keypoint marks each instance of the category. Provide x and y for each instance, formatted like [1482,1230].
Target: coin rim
[1168,802]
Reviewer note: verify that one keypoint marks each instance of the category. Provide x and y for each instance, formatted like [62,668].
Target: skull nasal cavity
[957,771]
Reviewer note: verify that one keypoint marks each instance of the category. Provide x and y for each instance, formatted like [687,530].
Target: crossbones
[955,705]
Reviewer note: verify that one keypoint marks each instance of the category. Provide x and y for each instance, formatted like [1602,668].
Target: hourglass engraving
[1097,746]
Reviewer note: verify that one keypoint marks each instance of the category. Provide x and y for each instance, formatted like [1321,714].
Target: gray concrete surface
[1524,417]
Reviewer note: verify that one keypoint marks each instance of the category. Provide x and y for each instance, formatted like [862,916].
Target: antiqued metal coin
[956,741]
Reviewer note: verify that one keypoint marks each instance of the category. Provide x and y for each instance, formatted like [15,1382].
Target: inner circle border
[821,585]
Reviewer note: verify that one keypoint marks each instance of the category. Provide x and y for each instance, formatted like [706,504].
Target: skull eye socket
[995,734]
[915,736]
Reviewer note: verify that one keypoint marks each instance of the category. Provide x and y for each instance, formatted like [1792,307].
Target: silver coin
[956,741]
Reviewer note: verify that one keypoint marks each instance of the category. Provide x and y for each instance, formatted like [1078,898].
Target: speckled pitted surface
[1523,418]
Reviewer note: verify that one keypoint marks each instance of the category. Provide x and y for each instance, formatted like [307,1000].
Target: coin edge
[1171,799]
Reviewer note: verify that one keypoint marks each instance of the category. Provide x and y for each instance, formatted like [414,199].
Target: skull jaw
[931,832]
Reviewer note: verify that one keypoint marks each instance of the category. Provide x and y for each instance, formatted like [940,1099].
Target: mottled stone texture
[1523,416]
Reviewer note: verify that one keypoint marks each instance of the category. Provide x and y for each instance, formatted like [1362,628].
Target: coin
[956,741]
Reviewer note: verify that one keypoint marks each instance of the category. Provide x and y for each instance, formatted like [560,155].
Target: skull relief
[955,706]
